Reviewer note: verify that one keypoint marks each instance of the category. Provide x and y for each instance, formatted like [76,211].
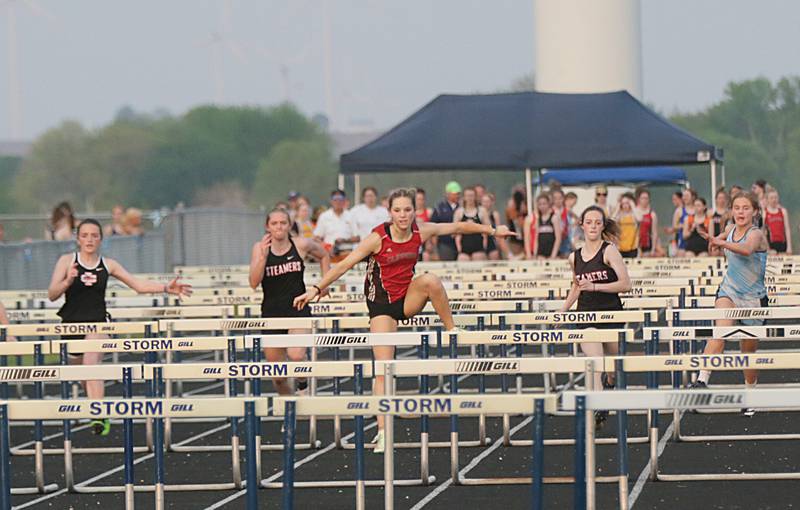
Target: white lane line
[645,474]
[115,470]
[296,465]
[469,467]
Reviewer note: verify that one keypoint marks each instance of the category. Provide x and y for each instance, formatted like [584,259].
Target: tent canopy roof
[630,175]
[529,130]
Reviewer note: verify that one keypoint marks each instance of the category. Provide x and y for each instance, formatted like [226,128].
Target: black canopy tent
[531,130]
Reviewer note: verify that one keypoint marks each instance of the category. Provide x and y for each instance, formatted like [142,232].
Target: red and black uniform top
[390,271]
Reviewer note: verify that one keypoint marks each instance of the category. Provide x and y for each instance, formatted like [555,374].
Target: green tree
[303,165]
[9,166]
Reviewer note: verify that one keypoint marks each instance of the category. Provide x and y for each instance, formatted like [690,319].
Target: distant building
[14,149]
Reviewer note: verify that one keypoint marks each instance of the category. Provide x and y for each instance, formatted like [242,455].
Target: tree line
[252,156]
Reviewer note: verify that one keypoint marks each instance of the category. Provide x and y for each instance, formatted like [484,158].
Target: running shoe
[101,427]
[302,387]
[698,385]
[748,412]
[600,418]
[380,442]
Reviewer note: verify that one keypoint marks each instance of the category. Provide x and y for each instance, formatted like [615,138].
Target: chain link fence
[202,236]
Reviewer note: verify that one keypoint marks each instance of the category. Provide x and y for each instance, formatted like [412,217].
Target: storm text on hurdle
[145,344]
[253,370]
[417,405]
[532,336]
[125,408]
[720,361]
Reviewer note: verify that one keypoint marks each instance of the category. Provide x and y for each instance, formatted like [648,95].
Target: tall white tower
[588,46]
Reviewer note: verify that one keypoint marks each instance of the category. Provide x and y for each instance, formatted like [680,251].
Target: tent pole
[529,190]
[722,169]
[340,184]
[357,187]
[713,166]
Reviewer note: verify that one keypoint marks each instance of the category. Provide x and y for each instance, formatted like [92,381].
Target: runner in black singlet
[277,264]
[600,276]
[81,278]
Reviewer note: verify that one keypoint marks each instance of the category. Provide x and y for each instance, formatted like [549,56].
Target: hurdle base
[704,477]
[738,437]
[473,443]
[322,484]
[227,448]
[94,450]
[523,480]
[106,489]
[34,490]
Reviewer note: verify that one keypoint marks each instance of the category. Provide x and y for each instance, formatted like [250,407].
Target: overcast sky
[84,59]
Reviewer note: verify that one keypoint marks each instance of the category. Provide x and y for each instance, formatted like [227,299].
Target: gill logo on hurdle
[690,400]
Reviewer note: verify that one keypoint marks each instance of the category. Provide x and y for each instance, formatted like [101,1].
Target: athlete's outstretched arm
[755,240]
[788,232]
[428,230]
[371,244]
[258,260]
[116,270]
[64,274]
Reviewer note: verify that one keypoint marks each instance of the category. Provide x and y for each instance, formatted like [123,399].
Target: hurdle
[624,400]
[391,406]
[715,362]
[127,409]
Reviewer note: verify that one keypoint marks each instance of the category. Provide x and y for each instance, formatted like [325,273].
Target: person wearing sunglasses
[601,199]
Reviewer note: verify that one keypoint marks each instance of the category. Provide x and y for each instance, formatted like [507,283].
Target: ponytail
[611,229]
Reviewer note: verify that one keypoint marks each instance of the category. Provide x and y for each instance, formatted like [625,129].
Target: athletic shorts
[107,318]
[778,247]
[746,303]
[279,313]
[393,310]
[630,254]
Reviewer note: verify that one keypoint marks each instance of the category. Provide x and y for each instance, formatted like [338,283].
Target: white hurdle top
[68,373]
[23,348]
[530,337]
[341,339]
[684,399]
[762,360]
[132,408]
[693,314]
[789,332]
[259,370]
[417,404]
[488,366]
[210,343]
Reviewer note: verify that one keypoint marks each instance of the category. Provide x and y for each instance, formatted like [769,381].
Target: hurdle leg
[289,422]
[168,394]
[252,453]
[5,459]
[312,390]
[537,475]
[337,420]
[359,438]
[622,442]
[590,441]
[127,431]
[424,435]
[579,489]
[388,454]
[158,445]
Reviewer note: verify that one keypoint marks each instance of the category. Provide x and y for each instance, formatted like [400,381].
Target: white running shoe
[380,442]
[748,412]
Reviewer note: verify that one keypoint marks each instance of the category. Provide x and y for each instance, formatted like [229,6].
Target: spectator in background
[62,223]
[335,227]
[480,190]
[317,213]
[560,210]
[574,222]
[516,214]
[601,199]
[471,246]
[696,229]
[776,219]
[543,230]
[368,214]
[736,190]
[2,234]
[133,222]
[302,226]
[443,213]
[293,199]
[686,208]
[424,214]
[116,227]
[494,247]
[628,227]
[759,189]
[720,219]
[648,225]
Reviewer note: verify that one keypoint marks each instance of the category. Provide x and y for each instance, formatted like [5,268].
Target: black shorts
[630,254]
[393,310]
[280,313]
[778,246]
[107,318]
